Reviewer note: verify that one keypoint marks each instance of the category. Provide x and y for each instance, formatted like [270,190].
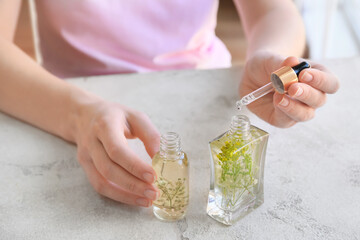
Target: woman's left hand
[302,98]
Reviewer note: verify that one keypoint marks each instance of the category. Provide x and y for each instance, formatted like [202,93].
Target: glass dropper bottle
[281,79]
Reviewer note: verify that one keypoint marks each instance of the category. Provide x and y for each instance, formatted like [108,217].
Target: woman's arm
[99,129]
[32,94]
[9,13]
[274,30]
[272,25]
[27,91]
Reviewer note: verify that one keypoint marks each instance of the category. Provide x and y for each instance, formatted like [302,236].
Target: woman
[86,37]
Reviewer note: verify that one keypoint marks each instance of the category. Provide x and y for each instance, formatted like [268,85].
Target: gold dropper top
[285,76]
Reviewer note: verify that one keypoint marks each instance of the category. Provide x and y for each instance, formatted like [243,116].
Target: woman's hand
[302,99]
[112,168]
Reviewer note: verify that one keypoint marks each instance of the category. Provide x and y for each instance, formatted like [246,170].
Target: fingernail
[299,92]
[149,177]
[284,102]
[143,202]
[157,191]
[306,77]
[150,194]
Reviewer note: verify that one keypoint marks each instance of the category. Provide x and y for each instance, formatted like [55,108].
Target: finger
[318,76]
[323,81]
[112,138]
[110,190]
[290,61]
[275,116]
[307,94]
[116,174]
[142,127]
[294,109]
[318,66]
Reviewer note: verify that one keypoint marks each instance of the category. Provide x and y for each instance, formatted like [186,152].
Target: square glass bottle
[237,171]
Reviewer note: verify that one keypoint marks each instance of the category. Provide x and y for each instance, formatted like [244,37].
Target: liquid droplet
[239,105]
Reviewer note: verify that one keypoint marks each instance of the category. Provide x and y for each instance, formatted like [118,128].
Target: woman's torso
[89,37]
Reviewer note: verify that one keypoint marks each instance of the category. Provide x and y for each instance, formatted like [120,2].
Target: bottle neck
[240,127]
[170,144]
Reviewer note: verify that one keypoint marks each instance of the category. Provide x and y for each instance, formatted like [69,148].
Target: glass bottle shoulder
[255,134]
[179,157]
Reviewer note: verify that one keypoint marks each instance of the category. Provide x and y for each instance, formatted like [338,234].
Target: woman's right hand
[112,168]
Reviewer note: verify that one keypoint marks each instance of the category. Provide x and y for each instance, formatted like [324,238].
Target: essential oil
[171,166]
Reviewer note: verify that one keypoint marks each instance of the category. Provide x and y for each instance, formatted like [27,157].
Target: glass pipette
[281,79]
[258,93]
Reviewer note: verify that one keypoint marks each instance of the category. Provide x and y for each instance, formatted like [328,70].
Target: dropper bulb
[301,66]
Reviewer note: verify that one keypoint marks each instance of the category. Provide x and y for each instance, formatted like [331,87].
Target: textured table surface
[312,172]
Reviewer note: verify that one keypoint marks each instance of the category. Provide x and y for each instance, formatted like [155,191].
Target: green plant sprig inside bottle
[237,171]
[171,166]
[173,194]
[236,177]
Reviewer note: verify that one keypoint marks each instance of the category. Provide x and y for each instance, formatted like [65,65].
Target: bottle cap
[285,76]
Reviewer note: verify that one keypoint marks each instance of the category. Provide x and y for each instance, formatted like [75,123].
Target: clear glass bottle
[237,171]
[171,166]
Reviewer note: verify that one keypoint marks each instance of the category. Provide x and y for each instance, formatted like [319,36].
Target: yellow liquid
[173,183]
[236,180]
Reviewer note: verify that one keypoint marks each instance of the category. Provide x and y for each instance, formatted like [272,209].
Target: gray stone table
[312,172]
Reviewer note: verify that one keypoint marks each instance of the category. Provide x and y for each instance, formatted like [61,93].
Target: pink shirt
[95,37]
